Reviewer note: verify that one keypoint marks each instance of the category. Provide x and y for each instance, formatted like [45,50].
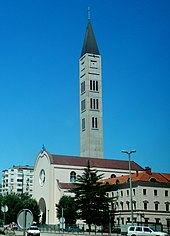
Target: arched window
[156,205]
[167,206]
[113,176]
[121,204]
[128,204]
[73,177]
[134,205]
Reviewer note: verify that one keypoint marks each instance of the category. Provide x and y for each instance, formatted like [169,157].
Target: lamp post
[130,181]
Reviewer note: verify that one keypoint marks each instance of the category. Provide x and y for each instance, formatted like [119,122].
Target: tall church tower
[91,127]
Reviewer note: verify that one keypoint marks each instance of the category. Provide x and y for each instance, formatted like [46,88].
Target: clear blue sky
[40,45]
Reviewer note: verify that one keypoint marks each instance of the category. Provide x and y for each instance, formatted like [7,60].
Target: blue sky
[40,45]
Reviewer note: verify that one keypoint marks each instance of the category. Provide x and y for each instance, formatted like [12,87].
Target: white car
[33,230]
[143,231]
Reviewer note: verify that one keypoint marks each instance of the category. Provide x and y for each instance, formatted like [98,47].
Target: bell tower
[91,127]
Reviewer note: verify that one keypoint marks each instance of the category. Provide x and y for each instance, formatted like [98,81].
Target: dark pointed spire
[90,45]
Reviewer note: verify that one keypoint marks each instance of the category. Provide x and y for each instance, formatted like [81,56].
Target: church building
[55,174]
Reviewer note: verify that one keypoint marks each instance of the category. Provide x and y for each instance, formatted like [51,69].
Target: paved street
[19,233]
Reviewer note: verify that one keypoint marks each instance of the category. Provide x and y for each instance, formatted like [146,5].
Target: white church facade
[55,174]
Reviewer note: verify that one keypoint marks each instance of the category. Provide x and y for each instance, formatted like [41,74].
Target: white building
[55,174]
[150,198]
[18,179]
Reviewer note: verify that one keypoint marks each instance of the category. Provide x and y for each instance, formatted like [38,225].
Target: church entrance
[42,206]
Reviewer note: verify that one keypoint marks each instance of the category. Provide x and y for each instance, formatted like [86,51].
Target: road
[20,233]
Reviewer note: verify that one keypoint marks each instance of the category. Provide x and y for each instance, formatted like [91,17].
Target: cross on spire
[89,12]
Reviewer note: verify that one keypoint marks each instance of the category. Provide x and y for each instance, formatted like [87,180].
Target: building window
[19,180]
[113,207]
[93,64]
[144,191]
[94,104]
[73,177]
[94,85]
[113,176]
[145,205]
[97,89]
[134,205]
[127,192]
[127,204]
[133,192]
[83,105]
[83,124]
[155,192]
[83,87]
[153,180]
[19,190]
[91,85]
[157,220]
[121,204]
[91,103]
[94,123]
[167,206]
[97,104]
[166,193]
[156,206]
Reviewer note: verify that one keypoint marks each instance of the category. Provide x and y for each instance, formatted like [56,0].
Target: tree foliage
[91,197]
[69,209]
[16,203]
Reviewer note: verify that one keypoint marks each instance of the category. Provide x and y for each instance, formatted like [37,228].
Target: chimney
[148,170]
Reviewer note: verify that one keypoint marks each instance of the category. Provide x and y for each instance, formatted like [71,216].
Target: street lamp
[130,181]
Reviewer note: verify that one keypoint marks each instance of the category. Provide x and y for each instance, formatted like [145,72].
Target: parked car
[33,230]
[143,231]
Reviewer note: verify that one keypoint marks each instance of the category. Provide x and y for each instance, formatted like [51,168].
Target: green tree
[69,209]
[14,206]
[31,204]
[91,197]
[16,203]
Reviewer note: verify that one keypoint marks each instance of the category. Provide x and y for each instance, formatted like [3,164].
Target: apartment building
[18,179]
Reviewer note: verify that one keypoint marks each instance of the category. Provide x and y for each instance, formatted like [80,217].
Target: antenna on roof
[89,12]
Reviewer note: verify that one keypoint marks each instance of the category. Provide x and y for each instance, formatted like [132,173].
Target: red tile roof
[145,176]
[67,185]
[94,162]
